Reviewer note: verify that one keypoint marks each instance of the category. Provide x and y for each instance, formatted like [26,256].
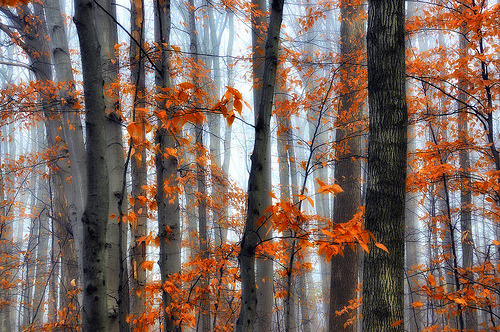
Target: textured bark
[471,322]
[138,161]
[344,269]
[95,215]
[72,137]
[264,266]
[166,168]
[259,180]
[70,119]
[383,273]
[116,237]
[36,47]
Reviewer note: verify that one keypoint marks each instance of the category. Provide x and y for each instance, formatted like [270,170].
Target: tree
[138,161]
[166,168]
[383,272]
[258,196]
[344,269]
[95,216]
[116,238]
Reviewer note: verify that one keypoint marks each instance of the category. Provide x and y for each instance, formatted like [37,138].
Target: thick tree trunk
[72,135]
[259,181]
[70,119]
[383,273]
[37,50]
[166,169]
[116,238]
[264,266]
[344,273]
[95,216]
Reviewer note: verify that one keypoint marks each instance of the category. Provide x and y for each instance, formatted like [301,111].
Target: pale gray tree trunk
[42,244]
[116,238]
[201,201]
[413,249]
[95,216]
[383,273]
[166,167]
[35,46]
[284,146]
[72,134]
[259,180]
[264,265]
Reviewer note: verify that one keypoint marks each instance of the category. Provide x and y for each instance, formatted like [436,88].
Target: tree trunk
[471,321]
[284,146]
[344,273]
[95,216]
[138,161]
[42,239]
[413,250]
[72,135]
[201,194]
[117,271]
[383,273]
[166,169]
[264,265]
[259,181]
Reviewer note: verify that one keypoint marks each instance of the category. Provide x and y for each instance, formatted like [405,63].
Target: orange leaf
[238,106]
[364,247]
[381,246]
[329,188]
[396,323]
[134,129]
[495,242]
[147,265]
[431,279]
[186,85]
[417,304]
[272,195]
[230,118]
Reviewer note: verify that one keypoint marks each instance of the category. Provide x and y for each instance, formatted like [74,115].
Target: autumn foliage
[453,74]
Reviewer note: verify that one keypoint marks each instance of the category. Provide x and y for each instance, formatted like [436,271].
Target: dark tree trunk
[383,274]
[95,215]
[258,196]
